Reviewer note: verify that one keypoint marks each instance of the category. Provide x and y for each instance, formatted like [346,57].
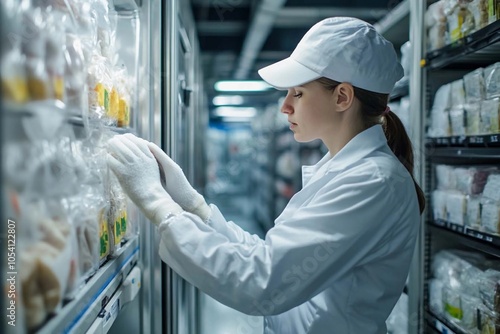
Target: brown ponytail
[373,106]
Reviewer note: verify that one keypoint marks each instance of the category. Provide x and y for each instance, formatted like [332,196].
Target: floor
[217,318]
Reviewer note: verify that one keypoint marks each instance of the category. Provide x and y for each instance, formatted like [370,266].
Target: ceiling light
[235,112]
[241,86]
[225,100]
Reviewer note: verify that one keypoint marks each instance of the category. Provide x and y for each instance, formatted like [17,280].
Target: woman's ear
[344,97]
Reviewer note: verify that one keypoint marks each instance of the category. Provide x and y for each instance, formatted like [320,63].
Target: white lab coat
[336,260]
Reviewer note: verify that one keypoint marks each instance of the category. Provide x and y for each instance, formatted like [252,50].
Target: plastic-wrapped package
[472,180]
[489,289]
[117,215]
[479,10]
[490,110]
[473,212]
[488,320]
[474,86]
[492,80]
[14,84]
[406,57]
[445,177]
[439,204]
[45,263]
[436,296]
[473,118]
[491,188]
[457,121]
[435,21]
[54,55]
[490,216]
[493,11]
[452,304]
[456,207]
[440,123]
[75,72]
[34,49]
[459,18]
[457,91]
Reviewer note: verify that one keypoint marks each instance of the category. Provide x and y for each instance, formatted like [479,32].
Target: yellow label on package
[99,89]
[123,113]
[114,101]
[15,89]
[454,311]
[58,83]
[37,89]
[103,237]
[120,226]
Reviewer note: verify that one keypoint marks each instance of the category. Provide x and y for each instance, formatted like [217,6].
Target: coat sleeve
[229,229]
[299,257]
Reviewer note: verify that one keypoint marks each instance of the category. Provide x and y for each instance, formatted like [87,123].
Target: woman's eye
[298,95]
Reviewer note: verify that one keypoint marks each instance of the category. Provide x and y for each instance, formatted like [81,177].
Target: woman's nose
[287,108]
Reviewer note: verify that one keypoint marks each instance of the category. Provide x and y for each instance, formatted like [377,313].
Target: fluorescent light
[235,112]
[225,100]
[241,86]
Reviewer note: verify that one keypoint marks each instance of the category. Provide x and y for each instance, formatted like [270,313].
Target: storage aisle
[215,317]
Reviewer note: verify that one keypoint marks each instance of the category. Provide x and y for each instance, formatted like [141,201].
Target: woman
[338,256]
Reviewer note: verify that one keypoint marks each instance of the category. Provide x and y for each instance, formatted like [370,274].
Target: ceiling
[238,37]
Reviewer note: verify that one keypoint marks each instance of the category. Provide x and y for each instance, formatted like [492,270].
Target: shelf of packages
[467,153]
[78,314]
[441,325]
[490,140]
[467,236]
[401,89]
[478,48]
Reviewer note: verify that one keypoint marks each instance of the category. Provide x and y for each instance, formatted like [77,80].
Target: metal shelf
[441,325]
[79,314]
[395,26]
[482,241]
[463,154]
[491,140]
[479,48]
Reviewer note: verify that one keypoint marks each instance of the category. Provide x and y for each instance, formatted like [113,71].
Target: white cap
[343,49]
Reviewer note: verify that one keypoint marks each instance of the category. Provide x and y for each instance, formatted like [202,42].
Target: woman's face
[310,111]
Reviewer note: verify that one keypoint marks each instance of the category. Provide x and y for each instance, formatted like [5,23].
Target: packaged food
[473,212]
[14,84]
[489,113]
[491,188]
[439,204]
[479,10]
[489,289]
[488,320]
[435,21]
[474,86]
[492,81]
[452,304]
[104,237]
[436,296]
[473,118]
[469,304]
[457,91]
[458,121]
[490,216]
[456,207]
[75,72]
[440,122]
[493,10]
[445,177]
[472,180]
[460,19]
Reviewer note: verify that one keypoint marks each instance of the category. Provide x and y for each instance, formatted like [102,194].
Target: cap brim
[287,73]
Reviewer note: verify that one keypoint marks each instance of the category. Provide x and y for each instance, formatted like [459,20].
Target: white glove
[179,187]
[137,170]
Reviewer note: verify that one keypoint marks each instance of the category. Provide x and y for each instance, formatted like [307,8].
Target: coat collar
[357,148]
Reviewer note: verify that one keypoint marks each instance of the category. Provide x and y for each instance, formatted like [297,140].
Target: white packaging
[446,177]
[473,117]
[457,92]
[440,123]
[436,296]
[492,187]
[490,216]
[489,292]
[456,207]
[473,212]
[435,21]
[452,304]
[479,10]
[474,86]
[457,121]
[492,80]
[489,112]
[439,204]
[472,180]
